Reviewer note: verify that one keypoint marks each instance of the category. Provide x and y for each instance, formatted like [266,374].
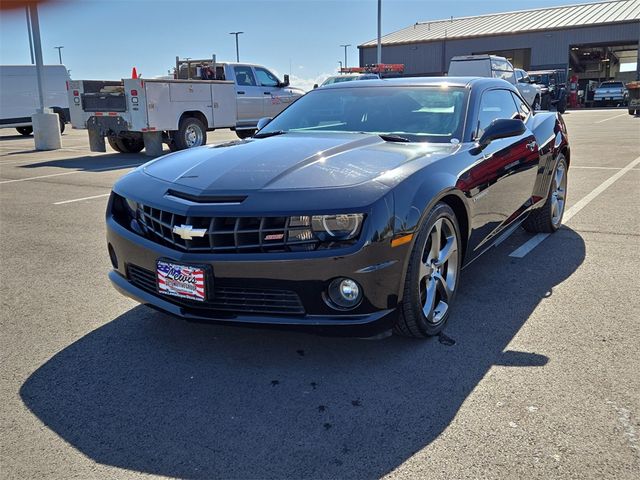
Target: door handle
[532,145]
[267,93]
[240,93]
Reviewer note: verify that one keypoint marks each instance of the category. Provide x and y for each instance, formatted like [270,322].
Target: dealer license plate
[182,281]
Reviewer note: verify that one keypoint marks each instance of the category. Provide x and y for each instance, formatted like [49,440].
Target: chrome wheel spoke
[436,237]
[443,287]
[430,298]
[449,249]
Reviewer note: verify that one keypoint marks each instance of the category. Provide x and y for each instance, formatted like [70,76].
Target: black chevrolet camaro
[352,212]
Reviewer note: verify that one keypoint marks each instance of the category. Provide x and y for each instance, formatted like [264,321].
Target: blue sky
[103,39]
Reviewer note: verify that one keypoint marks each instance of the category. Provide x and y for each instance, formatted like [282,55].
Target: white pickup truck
[133,114]
[497,67]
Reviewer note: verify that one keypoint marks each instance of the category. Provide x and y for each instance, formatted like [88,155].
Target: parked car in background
[19,95]
[531,92]
[553,88]
[348,78]
[496,67]
[351,212]
[611,93]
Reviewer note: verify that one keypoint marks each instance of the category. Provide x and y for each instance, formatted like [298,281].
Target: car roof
[464,82]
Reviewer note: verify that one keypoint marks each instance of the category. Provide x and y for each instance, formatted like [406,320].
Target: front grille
[225,298]
[229,234]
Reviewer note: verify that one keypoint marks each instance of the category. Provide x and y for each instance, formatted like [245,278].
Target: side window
[266,78]
[518,75]
[495,104]
[523,108]
[244,76]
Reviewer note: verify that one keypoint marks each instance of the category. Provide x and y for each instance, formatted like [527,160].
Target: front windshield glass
[430,114]
[339,79]
[540,78]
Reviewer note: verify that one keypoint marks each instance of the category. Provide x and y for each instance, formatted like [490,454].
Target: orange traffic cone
[134,73]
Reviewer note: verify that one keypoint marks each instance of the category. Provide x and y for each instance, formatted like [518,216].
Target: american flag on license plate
[181,281]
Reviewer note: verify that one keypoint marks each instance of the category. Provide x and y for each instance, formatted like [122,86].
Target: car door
[249,96]
[275,98]
[501,179]
[525,88]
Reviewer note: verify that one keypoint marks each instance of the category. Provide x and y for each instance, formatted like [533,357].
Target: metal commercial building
[595,41]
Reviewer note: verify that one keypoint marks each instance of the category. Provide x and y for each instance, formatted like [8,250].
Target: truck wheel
[562,105]
[191,133]
[242,134]
[29,130]
[113,142]
[632,111]
[62,125]
[130,145]
[546,102]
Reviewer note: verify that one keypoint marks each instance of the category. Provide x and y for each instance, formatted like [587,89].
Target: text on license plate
[181,281]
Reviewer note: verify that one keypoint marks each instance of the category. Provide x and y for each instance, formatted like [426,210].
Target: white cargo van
[19,95]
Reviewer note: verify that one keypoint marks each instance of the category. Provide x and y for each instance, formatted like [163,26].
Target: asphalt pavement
[536,377]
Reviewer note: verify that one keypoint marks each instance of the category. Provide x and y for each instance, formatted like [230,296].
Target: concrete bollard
[46,130]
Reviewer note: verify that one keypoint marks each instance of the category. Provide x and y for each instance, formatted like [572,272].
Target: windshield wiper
[269,134]
[389,137]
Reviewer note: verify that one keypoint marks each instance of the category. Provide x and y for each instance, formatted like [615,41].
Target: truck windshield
[419,114]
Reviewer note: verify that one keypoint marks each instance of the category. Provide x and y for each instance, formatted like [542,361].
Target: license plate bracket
[180,280]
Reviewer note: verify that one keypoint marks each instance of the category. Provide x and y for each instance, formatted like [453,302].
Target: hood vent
[207,199]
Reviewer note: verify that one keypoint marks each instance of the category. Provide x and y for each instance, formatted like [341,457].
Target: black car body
[261,267]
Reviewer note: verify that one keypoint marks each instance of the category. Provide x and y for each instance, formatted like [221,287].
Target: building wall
[549,49]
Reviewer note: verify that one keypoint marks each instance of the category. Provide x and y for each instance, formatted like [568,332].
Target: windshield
[429,114]
[540,78]
[339,79]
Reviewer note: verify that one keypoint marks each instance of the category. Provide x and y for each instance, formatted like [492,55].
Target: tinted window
[244,76]
[518,74]
[417,113]
[266,78]
[493,105]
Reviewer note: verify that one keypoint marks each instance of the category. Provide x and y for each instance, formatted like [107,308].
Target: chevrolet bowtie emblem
[187,232]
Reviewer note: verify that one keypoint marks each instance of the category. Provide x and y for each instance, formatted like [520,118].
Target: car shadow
[94,163]
[154,394]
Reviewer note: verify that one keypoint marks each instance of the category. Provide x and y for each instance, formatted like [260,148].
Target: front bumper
[377,267]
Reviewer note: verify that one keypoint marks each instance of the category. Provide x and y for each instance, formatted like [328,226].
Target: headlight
[132,207]
[344,226]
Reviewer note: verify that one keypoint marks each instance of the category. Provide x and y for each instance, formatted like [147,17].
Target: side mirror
[315,85]
[501,128]
[263,122]
[286,81]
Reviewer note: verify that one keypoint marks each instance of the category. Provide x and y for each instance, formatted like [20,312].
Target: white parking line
[536,240]
[83,198]
[97,170]
[611,118]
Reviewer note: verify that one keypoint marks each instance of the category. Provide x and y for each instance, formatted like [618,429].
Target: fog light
[345,293]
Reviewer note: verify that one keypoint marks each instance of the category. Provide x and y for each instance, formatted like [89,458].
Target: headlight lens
[343,226]
[132,207]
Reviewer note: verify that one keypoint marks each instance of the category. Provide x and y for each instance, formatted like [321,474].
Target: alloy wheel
[558,194]
[438,270]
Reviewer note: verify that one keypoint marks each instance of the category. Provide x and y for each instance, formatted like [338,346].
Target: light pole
[237,49]
[345,54]
[59,53]
[379,49]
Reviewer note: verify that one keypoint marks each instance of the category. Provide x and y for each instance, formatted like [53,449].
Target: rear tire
[432,275]
[26,131]
[113,142]
[632,111]
[548,218]
[242,134]
[191,133]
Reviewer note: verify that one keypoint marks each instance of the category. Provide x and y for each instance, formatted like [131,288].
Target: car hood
[291,161]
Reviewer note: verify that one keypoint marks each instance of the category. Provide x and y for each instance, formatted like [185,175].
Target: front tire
[191,133]
[548,218]
[432,275]
[26,131]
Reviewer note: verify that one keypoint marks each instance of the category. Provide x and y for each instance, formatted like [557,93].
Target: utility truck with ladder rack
[135,113]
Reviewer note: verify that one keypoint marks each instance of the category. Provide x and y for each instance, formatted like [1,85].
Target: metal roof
[587,14]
